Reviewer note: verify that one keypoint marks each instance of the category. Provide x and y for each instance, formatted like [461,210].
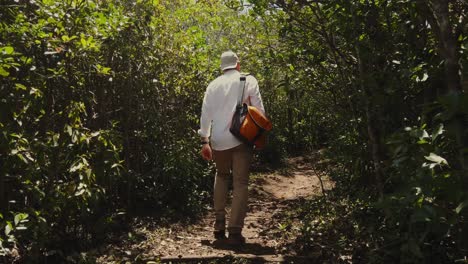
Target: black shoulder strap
[242,85]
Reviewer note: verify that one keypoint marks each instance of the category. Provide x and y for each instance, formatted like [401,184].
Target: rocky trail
[272,194]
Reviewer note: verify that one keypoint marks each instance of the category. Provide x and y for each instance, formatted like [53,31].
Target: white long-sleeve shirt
[219,105]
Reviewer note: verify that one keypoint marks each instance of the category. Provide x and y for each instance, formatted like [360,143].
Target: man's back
[220,102]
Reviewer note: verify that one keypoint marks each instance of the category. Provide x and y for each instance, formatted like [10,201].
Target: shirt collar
[230,72]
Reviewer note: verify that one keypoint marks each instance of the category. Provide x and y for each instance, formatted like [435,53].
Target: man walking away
[229,154]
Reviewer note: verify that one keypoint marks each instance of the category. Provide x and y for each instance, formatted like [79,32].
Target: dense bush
[99,106]
[380,85]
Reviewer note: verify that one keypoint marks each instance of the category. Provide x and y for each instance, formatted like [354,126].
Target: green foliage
[427,190]
[100,101]
[354,75]
[99,106]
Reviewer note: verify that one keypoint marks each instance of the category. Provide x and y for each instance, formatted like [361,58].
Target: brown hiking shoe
[219,234]
[236,239]
[219,227]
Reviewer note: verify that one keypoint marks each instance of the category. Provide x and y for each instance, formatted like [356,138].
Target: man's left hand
[206,152]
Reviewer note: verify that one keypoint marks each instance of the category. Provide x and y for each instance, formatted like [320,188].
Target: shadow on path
[247,248]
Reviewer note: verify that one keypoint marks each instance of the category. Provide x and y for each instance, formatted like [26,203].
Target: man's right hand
[206,152]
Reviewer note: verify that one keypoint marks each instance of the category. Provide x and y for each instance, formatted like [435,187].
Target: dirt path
[271,194]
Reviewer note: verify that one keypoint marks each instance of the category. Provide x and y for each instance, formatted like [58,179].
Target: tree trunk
[368,85]
[377,149]
[372,125]
[2,192]
[448,45]
[290,115]
[449,50]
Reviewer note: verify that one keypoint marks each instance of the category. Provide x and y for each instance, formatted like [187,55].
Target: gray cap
[229,60]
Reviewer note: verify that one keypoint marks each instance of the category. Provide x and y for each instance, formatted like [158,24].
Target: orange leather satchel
[248,123]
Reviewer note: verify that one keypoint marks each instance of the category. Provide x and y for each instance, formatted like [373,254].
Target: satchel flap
[260,120]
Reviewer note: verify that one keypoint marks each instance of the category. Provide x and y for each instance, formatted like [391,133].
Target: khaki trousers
[238,161]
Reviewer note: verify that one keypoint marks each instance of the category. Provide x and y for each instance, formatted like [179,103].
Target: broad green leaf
[103,70]
[424,134]
[21,157]
[7,50]
[116,165]
[89,173]
[20,217]
[69,130]
[417,190]
[422,142]
[80,192]
[418,133]
[26,60]
[3,72]
[15,135]
[77,167]
[36,92]
[83,41]
[461,206]
[8,228]
[66,38]
[436,158]
[17,219]
[55,139]
[20,86]
[439,131]
[423,79]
